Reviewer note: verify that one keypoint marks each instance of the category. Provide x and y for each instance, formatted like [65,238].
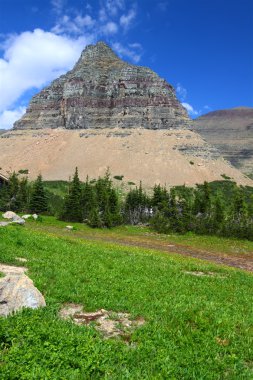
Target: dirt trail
[242,261]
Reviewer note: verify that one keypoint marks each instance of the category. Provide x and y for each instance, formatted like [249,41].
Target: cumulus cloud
[7,118]
[190,109]
[124,51]
[32,59]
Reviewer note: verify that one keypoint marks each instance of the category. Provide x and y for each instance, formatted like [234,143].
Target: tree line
[217,208]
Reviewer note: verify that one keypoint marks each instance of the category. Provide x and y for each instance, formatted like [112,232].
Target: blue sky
[204,48]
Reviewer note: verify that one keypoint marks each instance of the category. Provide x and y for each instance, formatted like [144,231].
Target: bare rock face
[231,132]
[102,91]
[17,291]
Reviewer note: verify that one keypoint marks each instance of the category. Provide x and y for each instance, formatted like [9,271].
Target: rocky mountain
[231,132]
[108,113]
[103,91]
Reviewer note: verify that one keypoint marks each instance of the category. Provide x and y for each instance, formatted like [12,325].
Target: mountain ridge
[231,132]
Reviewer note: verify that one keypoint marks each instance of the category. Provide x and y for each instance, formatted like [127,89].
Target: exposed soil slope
[171,157]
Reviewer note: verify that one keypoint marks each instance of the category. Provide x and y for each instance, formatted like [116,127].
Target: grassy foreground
[196,327]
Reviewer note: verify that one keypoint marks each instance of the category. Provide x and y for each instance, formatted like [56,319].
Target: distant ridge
[231,132]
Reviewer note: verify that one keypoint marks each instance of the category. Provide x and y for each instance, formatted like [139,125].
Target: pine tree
[218,215]
[4,197]
[88,199]
[94,219]
[13,186]
[72,209]
[160,197]
[22,197]
[39,200]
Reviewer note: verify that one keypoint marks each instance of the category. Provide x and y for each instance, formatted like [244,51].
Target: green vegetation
[219,208]
[196,327]
[38,200]
[225,176]
[118,177]
[23,171]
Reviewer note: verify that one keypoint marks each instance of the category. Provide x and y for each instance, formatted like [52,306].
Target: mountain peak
[103,91]
[97,52]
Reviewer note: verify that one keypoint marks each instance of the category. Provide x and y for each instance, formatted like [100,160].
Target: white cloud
[102,15]
[76,25]
[181,92]
[126,52]
[126,20]
[57,5]
[7,118]
[32,59]
[114,6]
[110,28]
[190,109]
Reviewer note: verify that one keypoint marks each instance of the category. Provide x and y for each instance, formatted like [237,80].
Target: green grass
[211,243]
[196,327]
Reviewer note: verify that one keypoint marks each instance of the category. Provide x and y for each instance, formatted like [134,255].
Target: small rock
[3,224]
[35,216]
[22,259]
[70,228]
[10,215]
[19,221]
[26,216]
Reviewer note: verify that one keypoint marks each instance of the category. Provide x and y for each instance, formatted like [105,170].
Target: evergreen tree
[13,186]
[72,209]
[160,197]
[218,214]
[4,197]
[137,206]
[22,197]
[88,199]
[38,201]
[94,219]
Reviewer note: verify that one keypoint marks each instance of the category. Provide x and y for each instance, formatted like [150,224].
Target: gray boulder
[17,291]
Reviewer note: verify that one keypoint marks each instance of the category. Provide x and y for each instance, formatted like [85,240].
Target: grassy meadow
[196,327]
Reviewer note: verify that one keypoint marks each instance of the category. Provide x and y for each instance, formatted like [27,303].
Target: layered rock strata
[102,91]
[231,132]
